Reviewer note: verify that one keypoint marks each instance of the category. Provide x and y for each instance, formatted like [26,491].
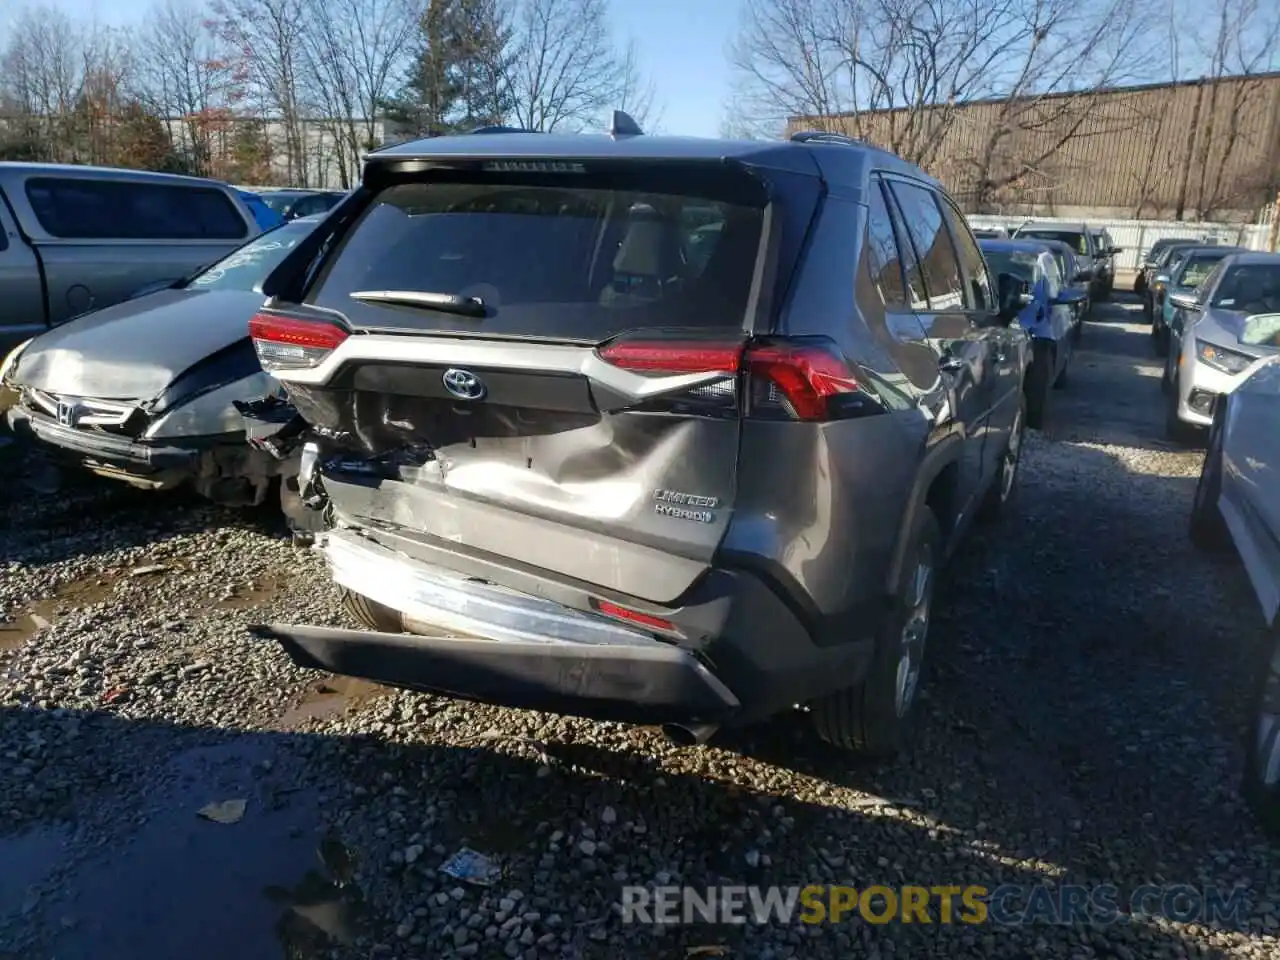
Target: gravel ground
[1082,724]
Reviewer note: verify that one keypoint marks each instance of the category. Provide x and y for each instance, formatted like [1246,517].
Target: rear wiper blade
[444,302]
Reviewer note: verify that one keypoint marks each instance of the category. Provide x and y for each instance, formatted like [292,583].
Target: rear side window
[84,209]
[883,252]
[971,259]
[933,245]
[575,259]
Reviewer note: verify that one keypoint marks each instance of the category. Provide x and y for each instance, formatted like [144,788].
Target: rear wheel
[1261,785]
[1038,384]
[372,614]
[1208,529]
[874,717]
[1001,492]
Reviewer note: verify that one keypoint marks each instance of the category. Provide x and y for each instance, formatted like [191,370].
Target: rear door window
[971,259]
[932,241]
[573,259]
[884,253]
[85,209]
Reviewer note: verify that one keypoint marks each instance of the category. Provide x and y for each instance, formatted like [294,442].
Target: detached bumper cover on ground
[501,646]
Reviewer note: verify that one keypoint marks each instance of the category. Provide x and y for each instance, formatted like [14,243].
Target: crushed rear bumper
[651,684]
[481,641]
[484,630]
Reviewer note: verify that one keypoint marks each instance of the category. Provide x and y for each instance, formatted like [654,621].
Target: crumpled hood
[133,350]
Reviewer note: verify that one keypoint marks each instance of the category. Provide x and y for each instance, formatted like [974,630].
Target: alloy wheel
[914,634]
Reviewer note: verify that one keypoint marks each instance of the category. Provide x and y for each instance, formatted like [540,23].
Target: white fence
[1135,237]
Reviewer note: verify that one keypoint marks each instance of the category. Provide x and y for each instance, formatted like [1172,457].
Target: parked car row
[1224,322]
[1092,247]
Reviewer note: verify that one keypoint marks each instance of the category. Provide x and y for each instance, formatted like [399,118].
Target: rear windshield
[247,267]
[1076,241]
[86,209]
[1252,288]
[565,260]
[1021,265]
[1197,267]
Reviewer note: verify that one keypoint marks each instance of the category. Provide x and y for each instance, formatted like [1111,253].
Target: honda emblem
[66,413]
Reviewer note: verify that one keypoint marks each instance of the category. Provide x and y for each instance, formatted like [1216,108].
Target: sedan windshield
[1196,268]
[1250,288]
[247,267]
[1076,241]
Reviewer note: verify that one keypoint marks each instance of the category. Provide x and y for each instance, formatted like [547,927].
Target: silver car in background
[1237,504]
[1225,328]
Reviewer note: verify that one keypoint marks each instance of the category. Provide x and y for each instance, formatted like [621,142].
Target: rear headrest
[649,247]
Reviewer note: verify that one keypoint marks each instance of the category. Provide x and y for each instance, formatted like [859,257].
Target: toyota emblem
[463,384]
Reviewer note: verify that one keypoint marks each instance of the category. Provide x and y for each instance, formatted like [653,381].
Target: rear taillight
[800,381]
[287,343]
[779,379]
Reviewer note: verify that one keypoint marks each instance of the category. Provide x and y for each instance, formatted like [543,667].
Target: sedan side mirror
[1013,294]
[1115,250]
[1187,301]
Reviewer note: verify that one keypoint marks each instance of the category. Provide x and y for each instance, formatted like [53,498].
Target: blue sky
[681,44]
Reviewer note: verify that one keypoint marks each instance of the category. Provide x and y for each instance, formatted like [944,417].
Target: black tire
[1037,387]
[1174,429]
[1260,737]
[372,614]
[1002,493]
[1208,530]
[1159,340]
[866,718]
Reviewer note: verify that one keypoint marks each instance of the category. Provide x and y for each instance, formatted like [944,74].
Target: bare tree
[41,73]
[269,38]
[355,49]
[566,70]
[1244,41]
[189,77]
[636,92]
[900,72]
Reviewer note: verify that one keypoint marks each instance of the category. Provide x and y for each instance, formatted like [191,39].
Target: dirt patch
[327,698]
[44,613]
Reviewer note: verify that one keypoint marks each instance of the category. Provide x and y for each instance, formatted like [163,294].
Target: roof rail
[820,136]
[500,128]
[624,126]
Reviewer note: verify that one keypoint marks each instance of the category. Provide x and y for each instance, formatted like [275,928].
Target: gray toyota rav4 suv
[646,429]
